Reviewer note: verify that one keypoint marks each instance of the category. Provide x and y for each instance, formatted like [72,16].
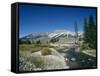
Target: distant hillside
[59,35]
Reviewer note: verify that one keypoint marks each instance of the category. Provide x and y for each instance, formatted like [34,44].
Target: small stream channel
[78,59]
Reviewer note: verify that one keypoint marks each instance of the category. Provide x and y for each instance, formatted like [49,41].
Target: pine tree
[38,42]
[76,32]
[92,32]
[86,31]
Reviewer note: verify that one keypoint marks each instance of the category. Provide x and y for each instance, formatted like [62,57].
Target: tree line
[27,41]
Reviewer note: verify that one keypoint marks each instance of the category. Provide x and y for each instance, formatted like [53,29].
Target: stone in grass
[66,59]
[36,54]
[73,59]
[83,61]
[89,59]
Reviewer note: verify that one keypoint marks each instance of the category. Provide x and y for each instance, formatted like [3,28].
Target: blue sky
[34,18]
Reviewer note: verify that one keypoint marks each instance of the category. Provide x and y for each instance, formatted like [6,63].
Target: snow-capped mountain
[54,34]
[58,33]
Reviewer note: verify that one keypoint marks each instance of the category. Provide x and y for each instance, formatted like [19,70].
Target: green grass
[84,46]
[87,50]
[34,47]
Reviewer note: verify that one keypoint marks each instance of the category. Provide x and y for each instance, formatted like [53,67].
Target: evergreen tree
[76,32]
[86,31]
[53,40]
[90,32]
[38,42]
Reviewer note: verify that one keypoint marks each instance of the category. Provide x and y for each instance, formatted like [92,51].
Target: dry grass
[46,51]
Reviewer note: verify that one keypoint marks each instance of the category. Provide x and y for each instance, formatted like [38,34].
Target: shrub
[54,40]
[46,51]
[24,47]
[35,49]
[38,42]
[24,41]
[84,46]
